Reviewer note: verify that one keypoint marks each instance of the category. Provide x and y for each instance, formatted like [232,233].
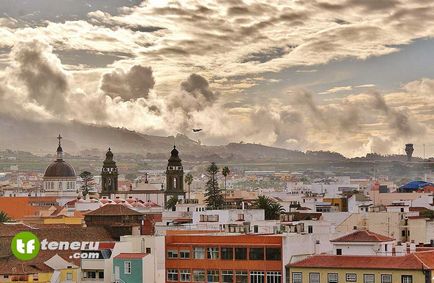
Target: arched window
[174,183]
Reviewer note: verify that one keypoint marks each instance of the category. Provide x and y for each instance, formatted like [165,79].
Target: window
[255,229]
[227,253]
[172,254]
[209,218]
[213,276]
[406,279]
[91,274]
[227,276]
[386,278]
[185,275]
[184,254]
[310,229]
[403,233]
[199,253]
[314,277]
[257,277]
[338,251]
[297,277]
[69,276]
[148,250]
[351,277]
[241,216]
[332,278]
[273,253]
[274,277]
[172,275]
[213,253]
[241,253]
[256,254]
[199,276]
[368,278]
[101,274]
[241,277]
[127,267]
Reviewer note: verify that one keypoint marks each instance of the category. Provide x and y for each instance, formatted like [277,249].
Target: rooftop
[113,210]
[414,261]
[363,236]
[130,255]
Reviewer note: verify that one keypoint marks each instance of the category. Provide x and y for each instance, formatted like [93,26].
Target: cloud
[41,73]
[337,89]
[131,84]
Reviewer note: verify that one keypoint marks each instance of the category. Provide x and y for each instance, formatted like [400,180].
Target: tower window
[174,183]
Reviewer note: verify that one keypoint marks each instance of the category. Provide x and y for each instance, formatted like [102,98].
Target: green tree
[225,173]
[171,203]
[214,198]
[87,179]
[188,179]
[4,217]
[272,208]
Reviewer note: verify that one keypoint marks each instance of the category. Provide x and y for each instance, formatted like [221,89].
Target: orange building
[220,257]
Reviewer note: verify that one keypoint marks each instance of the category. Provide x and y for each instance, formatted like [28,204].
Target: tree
[4,217]
[225,173]
[214,198]
[188,180]
[171,203]
[272,208]
[87,179]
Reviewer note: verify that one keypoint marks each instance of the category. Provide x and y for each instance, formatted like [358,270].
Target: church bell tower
[174,177]
[109,175]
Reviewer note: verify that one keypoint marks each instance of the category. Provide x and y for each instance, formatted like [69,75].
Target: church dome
[59,168]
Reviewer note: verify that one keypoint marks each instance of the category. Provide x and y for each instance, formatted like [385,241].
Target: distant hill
[40,138]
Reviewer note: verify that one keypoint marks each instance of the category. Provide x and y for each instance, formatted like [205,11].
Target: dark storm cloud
[132,84]
[197,86]
[44,80]
[398,120]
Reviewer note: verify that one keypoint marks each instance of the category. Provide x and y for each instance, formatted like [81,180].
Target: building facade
[224,258]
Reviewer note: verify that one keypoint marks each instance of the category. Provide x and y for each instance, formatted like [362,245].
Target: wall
[136,270]
[418,276]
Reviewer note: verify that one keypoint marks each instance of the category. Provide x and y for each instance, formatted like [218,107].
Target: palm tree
[188,180]
[87,179]
[4,217]
[225,173]
[272,208]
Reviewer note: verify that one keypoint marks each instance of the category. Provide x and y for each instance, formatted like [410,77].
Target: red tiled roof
[416,208]
[130,256]
[412,261]
[363,236]
[113,209]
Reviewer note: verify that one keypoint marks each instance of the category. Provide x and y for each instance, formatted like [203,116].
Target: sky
[352,76]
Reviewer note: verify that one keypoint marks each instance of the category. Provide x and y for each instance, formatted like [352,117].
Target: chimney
[412,247]
[317,247]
